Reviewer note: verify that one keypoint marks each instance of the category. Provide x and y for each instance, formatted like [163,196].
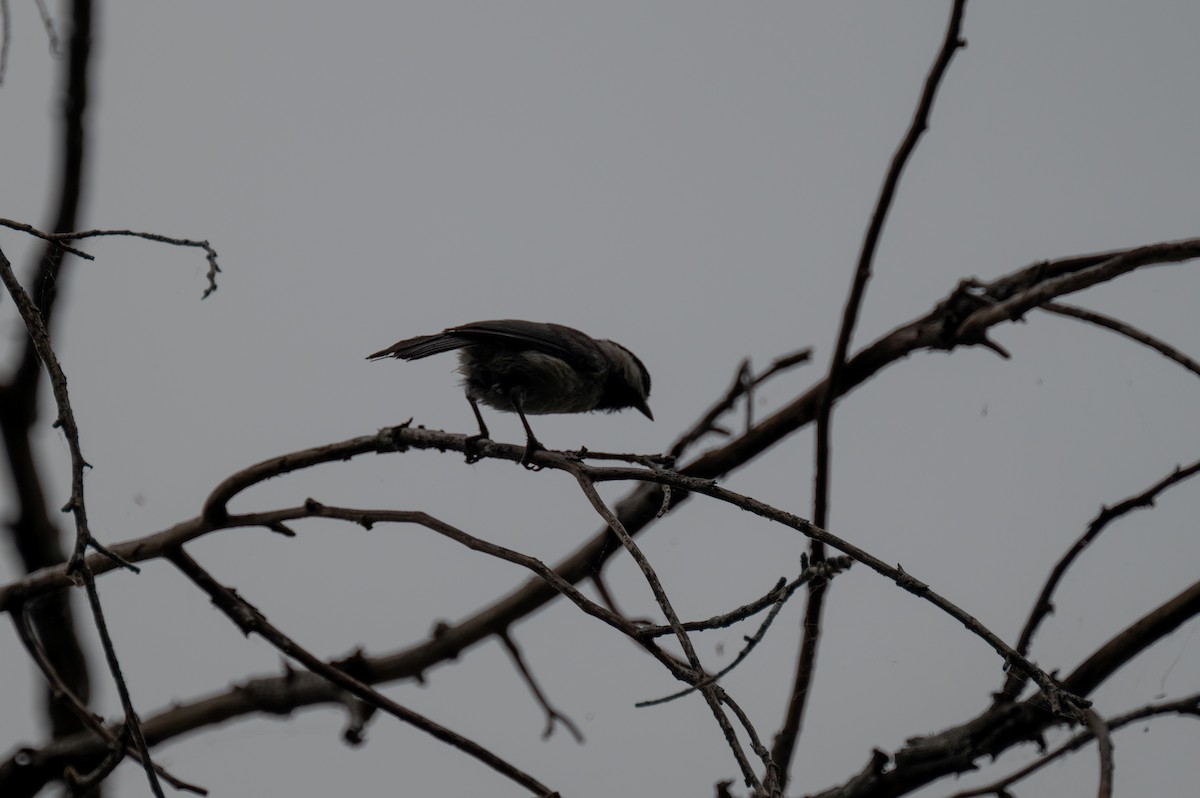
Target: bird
[534,368]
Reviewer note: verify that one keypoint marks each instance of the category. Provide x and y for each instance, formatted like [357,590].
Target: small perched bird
[531,367]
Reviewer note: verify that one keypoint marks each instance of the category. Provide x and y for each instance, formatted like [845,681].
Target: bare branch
[250,620]
[210,254]
[1044,604]
[119,744]
[401,438]
[922,761]
[36,536]
[1104,745]
[743,383]
[552,715]
[1018,303]
[862,273]
[1137,637]
[77,565]
[5,37]
[133,724]
[1128,330]
[1007,723]
[1189,706]
[66,417]
[1062,701]
[57,239]
[789,733]
[782,593]
[48,25]
[664,603]
[770,783]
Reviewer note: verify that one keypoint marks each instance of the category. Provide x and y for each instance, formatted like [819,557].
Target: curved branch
[1189,706]
[1019,303]
[1005,724]
[1147,630]
[789,732]
[1128,330]
[1044,606]
[250,620]
[697,676]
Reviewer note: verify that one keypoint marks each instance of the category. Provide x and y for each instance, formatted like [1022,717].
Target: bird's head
[627,383]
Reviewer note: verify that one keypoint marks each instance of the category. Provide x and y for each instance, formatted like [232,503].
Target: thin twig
[1059,700]
[862,274]
[51,238]
[743,383]
[770,782]
[1122,328]
[77,565]
[610,602]
[789,734]
[66,417]
[48,25]
[664,603]
[57,240]
[782,590]
[132,723]
[250,620]
[210,254]
[28,638]
[5,37]
[1044,605]
[552,714]
[751,642]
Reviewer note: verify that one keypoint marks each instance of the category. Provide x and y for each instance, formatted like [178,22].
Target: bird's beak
[644,409]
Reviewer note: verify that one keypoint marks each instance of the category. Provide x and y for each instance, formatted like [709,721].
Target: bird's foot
[472,447]
[531,446]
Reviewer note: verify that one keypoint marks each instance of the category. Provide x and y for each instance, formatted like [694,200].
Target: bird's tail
[422,346]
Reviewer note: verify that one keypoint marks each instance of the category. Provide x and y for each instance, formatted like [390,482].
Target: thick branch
[1188,707]
[36,537]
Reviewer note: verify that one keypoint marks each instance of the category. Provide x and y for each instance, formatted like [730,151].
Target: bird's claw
[531,447]
[472,448]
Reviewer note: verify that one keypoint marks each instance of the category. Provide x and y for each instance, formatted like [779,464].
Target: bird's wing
[570,345]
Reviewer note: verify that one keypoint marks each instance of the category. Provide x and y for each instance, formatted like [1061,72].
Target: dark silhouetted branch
[1121,328]
[789,732]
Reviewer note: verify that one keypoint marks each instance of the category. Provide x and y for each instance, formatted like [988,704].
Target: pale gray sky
[693,180]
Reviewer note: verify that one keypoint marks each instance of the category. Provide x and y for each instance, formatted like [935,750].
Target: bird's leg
[532,444]
[473,456]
